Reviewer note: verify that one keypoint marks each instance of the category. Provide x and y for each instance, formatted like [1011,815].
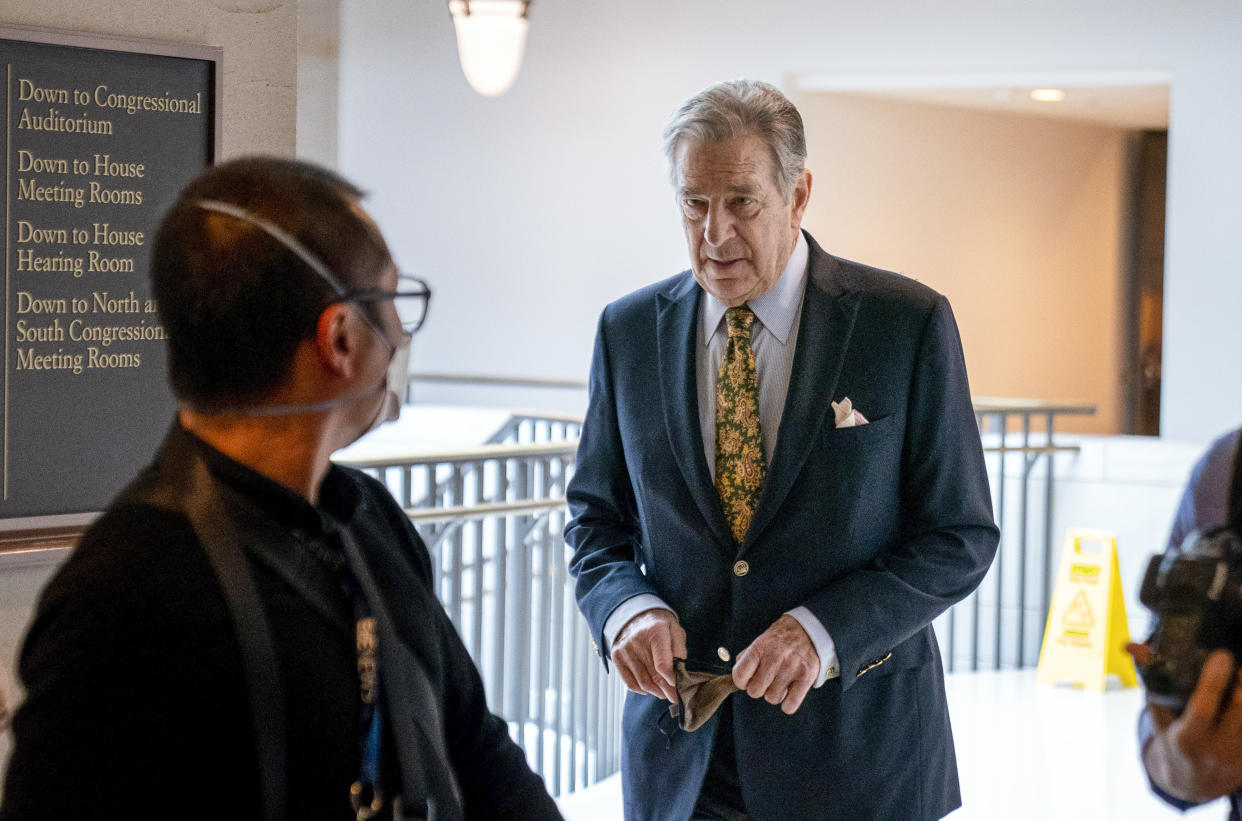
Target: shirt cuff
[824,645]
[627,610]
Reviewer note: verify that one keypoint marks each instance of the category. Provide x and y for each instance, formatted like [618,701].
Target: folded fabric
[699,694]
[845,415]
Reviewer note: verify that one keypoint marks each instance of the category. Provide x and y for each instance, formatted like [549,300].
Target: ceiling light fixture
[1047,95]
[491,37]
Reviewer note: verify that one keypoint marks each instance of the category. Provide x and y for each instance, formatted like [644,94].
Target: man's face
[380,338]
[739,229]
[388,323]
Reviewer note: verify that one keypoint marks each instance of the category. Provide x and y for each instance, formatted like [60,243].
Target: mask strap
[290,410]
[315,264]
[277,233]
[286,239]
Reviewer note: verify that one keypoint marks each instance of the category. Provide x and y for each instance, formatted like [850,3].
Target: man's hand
[779,666]
[1197,756]
[644,652]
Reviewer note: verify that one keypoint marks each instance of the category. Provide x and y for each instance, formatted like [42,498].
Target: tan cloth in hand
[699,695]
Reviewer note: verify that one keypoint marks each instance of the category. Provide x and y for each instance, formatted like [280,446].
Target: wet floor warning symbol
[1084,640]
[1078,614]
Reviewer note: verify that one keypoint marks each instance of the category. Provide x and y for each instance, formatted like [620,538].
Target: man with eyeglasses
[250,632]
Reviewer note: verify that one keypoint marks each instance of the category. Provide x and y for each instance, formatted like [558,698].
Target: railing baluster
[556,579]
[1002,462]
[521,666]
[1045,597]
[433,486]
[579,659]
[514,641]
[500,632]
[479,565]
[594,723]
[1028,462]
[503,545]
[545,639]
[477,570]
[455,549]
[998,566]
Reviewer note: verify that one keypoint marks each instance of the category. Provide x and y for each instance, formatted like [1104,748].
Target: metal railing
[492,519]
[538,426]
[1001,624]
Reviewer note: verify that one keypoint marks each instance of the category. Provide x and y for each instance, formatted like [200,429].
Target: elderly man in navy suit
[780,481]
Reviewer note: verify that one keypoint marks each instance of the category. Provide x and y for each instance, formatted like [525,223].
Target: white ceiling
[1130,99]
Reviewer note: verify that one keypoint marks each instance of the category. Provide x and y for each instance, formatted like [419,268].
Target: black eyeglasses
[411,299]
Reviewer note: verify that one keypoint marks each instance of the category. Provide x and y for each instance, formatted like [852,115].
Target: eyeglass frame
[378,295]
[317,265]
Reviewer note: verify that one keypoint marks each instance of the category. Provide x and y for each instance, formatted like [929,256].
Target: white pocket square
[845,414]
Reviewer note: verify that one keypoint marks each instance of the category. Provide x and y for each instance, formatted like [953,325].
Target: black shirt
[136,701]
[135,691]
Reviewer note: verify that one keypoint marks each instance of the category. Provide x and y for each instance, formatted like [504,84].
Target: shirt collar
[776,308]
[338,495]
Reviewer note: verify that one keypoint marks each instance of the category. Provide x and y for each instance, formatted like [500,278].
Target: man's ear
[336,339]
[801,196]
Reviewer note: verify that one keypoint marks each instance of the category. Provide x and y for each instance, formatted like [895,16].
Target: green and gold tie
[739,448]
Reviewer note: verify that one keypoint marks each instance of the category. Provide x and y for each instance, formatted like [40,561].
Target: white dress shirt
[774,335]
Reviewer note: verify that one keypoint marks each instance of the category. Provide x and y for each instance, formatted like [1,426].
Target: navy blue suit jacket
[876,529]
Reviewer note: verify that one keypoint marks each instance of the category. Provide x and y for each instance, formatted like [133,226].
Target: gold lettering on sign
[27,162]
[28,91]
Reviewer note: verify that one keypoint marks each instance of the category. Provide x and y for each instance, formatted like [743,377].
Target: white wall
[1016,218]
[318,91]
[556,191]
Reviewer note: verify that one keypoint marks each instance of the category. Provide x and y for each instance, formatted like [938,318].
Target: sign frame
[22,537]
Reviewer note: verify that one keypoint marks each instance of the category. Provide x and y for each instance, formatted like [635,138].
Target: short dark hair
[233,300]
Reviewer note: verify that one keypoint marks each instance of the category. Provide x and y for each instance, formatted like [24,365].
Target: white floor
[1025,752]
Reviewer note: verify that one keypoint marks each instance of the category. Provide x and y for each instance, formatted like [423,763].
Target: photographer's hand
[1197,756]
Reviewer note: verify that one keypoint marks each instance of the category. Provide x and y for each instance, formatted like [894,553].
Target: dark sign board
[99,135]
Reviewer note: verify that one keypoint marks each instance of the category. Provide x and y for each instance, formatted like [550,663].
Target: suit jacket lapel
[676,325]
[828,312]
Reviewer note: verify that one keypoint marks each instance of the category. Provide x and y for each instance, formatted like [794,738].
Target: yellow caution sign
[1086,634]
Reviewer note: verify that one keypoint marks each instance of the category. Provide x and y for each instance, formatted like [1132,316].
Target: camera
[1196,597]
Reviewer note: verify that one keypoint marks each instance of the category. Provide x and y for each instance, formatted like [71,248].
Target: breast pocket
[856,468]
[874,431]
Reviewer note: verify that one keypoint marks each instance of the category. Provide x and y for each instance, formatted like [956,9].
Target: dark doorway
[1144,293]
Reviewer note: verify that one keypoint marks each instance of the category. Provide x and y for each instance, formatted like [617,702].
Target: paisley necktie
[740,463]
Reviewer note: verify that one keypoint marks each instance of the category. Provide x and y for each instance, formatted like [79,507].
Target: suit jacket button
[723,652]
[741,568]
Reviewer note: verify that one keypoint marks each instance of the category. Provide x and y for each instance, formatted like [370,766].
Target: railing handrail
[1035,450]
[546,415]
[431,515]
[992,404]
[982,404]
[14,558]
[568,447]
[509,381]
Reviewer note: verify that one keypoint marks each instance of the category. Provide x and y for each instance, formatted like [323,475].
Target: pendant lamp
[491,37]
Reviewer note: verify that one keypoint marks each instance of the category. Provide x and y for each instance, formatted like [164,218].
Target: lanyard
[422,758]
[367,793]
